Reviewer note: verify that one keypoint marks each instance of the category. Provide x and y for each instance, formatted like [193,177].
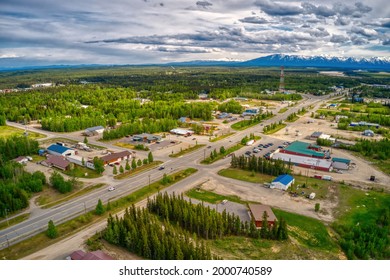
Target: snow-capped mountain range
[320,61]
[374,63]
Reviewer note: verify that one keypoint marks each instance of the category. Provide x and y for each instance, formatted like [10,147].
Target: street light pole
[85,208]
[149,180]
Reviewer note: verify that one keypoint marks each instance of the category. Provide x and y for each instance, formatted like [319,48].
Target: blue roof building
[59,150]
[282,182]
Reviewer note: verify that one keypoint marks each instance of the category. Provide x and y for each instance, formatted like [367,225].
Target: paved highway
[70,209]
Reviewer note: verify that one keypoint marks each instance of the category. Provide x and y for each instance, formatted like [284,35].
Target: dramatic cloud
[277,8]
[153,31]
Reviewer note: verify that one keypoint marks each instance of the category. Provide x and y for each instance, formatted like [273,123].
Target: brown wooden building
[257,212]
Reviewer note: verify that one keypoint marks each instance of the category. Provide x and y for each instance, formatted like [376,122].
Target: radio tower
[281,84]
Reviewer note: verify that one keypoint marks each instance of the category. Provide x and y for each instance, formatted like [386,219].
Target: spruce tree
[51,230]
[99,210]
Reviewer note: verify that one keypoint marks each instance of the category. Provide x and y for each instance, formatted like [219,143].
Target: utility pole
[149,180]
[6,216]
[85,208]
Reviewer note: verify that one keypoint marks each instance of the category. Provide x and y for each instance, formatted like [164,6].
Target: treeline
[16,186]
[144,234]
[138,126]
[261,165]
[232,106]
[373,149]
[15,146]
[208,223]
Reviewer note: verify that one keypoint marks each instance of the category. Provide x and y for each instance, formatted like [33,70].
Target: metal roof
[91,129]
[310,161]
[303,148]
[58,148]
[343,160]
[284,179]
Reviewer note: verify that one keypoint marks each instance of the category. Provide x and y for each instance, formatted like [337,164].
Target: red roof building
[57,161]
[115,157]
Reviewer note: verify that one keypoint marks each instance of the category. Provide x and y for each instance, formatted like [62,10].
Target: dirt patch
[272,197]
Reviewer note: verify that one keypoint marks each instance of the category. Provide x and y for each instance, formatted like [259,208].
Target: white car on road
[111,189]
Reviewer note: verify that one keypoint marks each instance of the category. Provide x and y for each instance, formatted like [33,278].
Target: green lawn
[211,197]
[82,172]
[8,131]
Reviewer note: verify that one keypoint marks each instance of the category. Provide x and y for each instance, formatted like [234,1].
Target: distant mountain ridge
[374,63]
[320,61]
[275,60]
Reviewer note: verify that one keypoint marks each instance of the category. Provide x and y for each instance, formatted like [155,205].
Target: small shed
[257,213]
[369,132]
[282,182]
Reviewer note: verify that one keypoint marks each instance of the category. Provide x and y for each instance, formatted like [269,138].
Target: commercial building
[147,138]
[282,182]
[76,160]
[364,124]
[181,131]
[304,161]
[341,163]
[57,161]
[60,150]
[257,214]
[116,157]
[90,131]
[304,149]
[251,112]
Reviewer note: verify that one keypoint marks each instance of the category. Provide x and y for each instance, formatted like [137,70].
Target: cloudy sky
[46,32]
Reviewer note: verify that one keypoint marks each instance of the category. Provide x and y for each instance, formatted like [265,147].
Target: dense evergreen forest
[171,227]
[16,185]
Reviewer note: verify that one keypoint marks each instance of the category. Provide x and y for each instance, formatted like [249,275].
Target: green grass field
[8,131]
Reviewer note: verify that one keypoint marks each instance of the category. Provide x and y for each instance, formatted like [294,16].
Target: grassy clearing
[139,169]
[245,175]
[50,197]
[319,187]
[186,151]
[8,131]
[221,137]
[82,172]
[14,221]
[211,197]
[276,129]
[40,241]
[125,145]
[308,231]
